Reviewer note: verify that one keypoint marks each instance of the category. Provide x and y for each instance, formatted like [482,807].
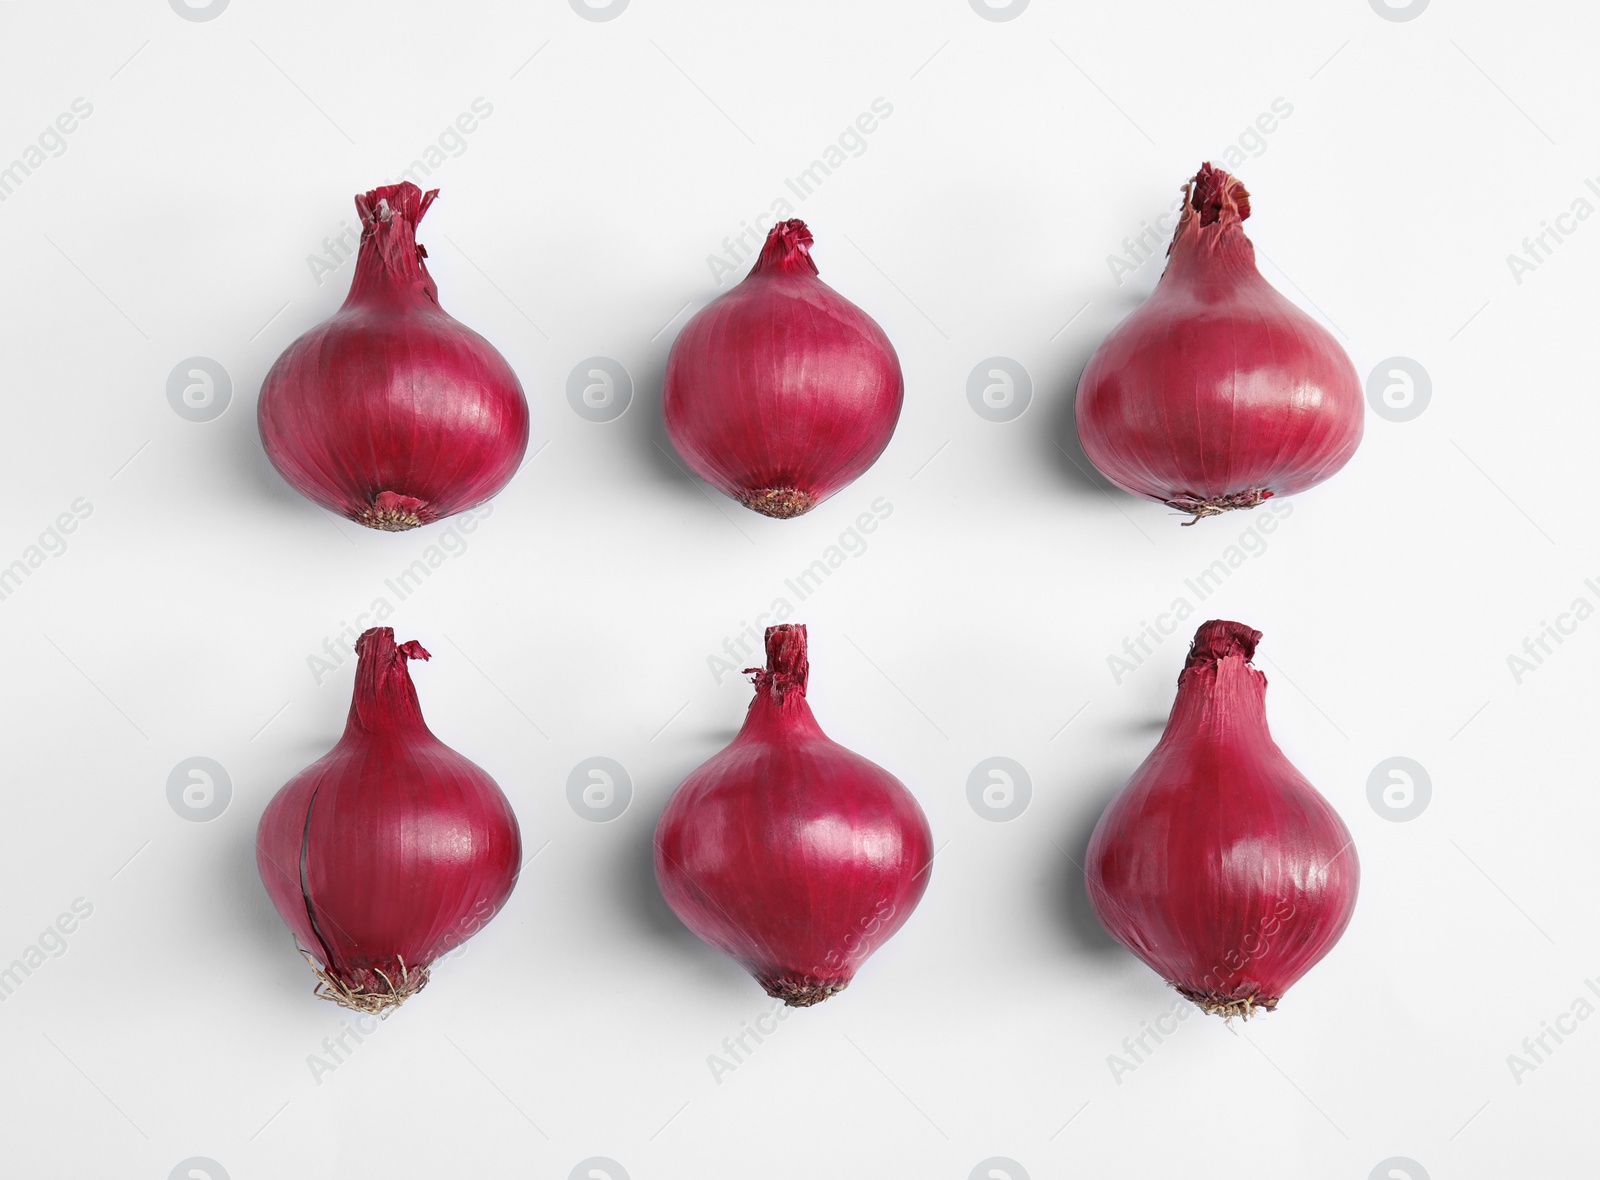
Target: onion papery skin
[1218,864]
[788,852]
[781,391]
[392,412]
[390,850]
[1218,393]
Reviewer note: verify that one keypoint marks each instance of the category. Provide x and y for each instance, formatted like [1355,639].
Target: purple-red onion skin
[1218,392]
[1218,864]
[392,412]
[790,853]
[392,849]
[781,391]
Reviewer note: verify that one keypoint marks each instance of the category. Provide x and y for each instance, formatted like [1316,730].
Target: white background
[578,622]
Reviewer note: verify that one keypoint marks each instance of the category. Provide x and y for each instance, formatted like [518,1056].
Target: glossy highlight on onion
[392,412]
[390,850]
[781,391]
[1218,393]
[1218,864]
[788,852]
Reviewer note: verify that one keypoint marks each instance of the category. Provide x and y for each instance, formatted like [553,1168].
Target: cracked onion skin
[392,412]
[788,852]
[1218,864]
[781,391]
[1218,393]
[391,849]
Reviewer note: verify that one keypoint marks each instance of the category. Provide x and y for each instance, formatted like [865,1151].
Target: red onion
[788,852]
[782,391]
[389,850]
[393,413]
[1218,864]
[1218,392]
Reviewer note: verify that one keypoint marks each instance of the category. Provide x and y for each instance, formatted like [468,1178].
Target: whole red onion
[788,852]
[391,849]
[392,412]
[1217,392]
[782,391]
[1218,864]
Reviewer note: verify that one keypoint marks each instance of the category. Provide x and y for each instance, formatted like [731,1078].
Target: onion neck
[385,701]
[1220,695]
[1210,245]
[788,251]
[780,700]
[390,264]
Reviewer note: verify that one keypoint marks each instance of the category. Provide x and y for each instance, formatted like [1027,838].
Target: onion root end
[800,992]
[391,512]
[371,1001]
[1199,508]
[779,503]
[1226,1006]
